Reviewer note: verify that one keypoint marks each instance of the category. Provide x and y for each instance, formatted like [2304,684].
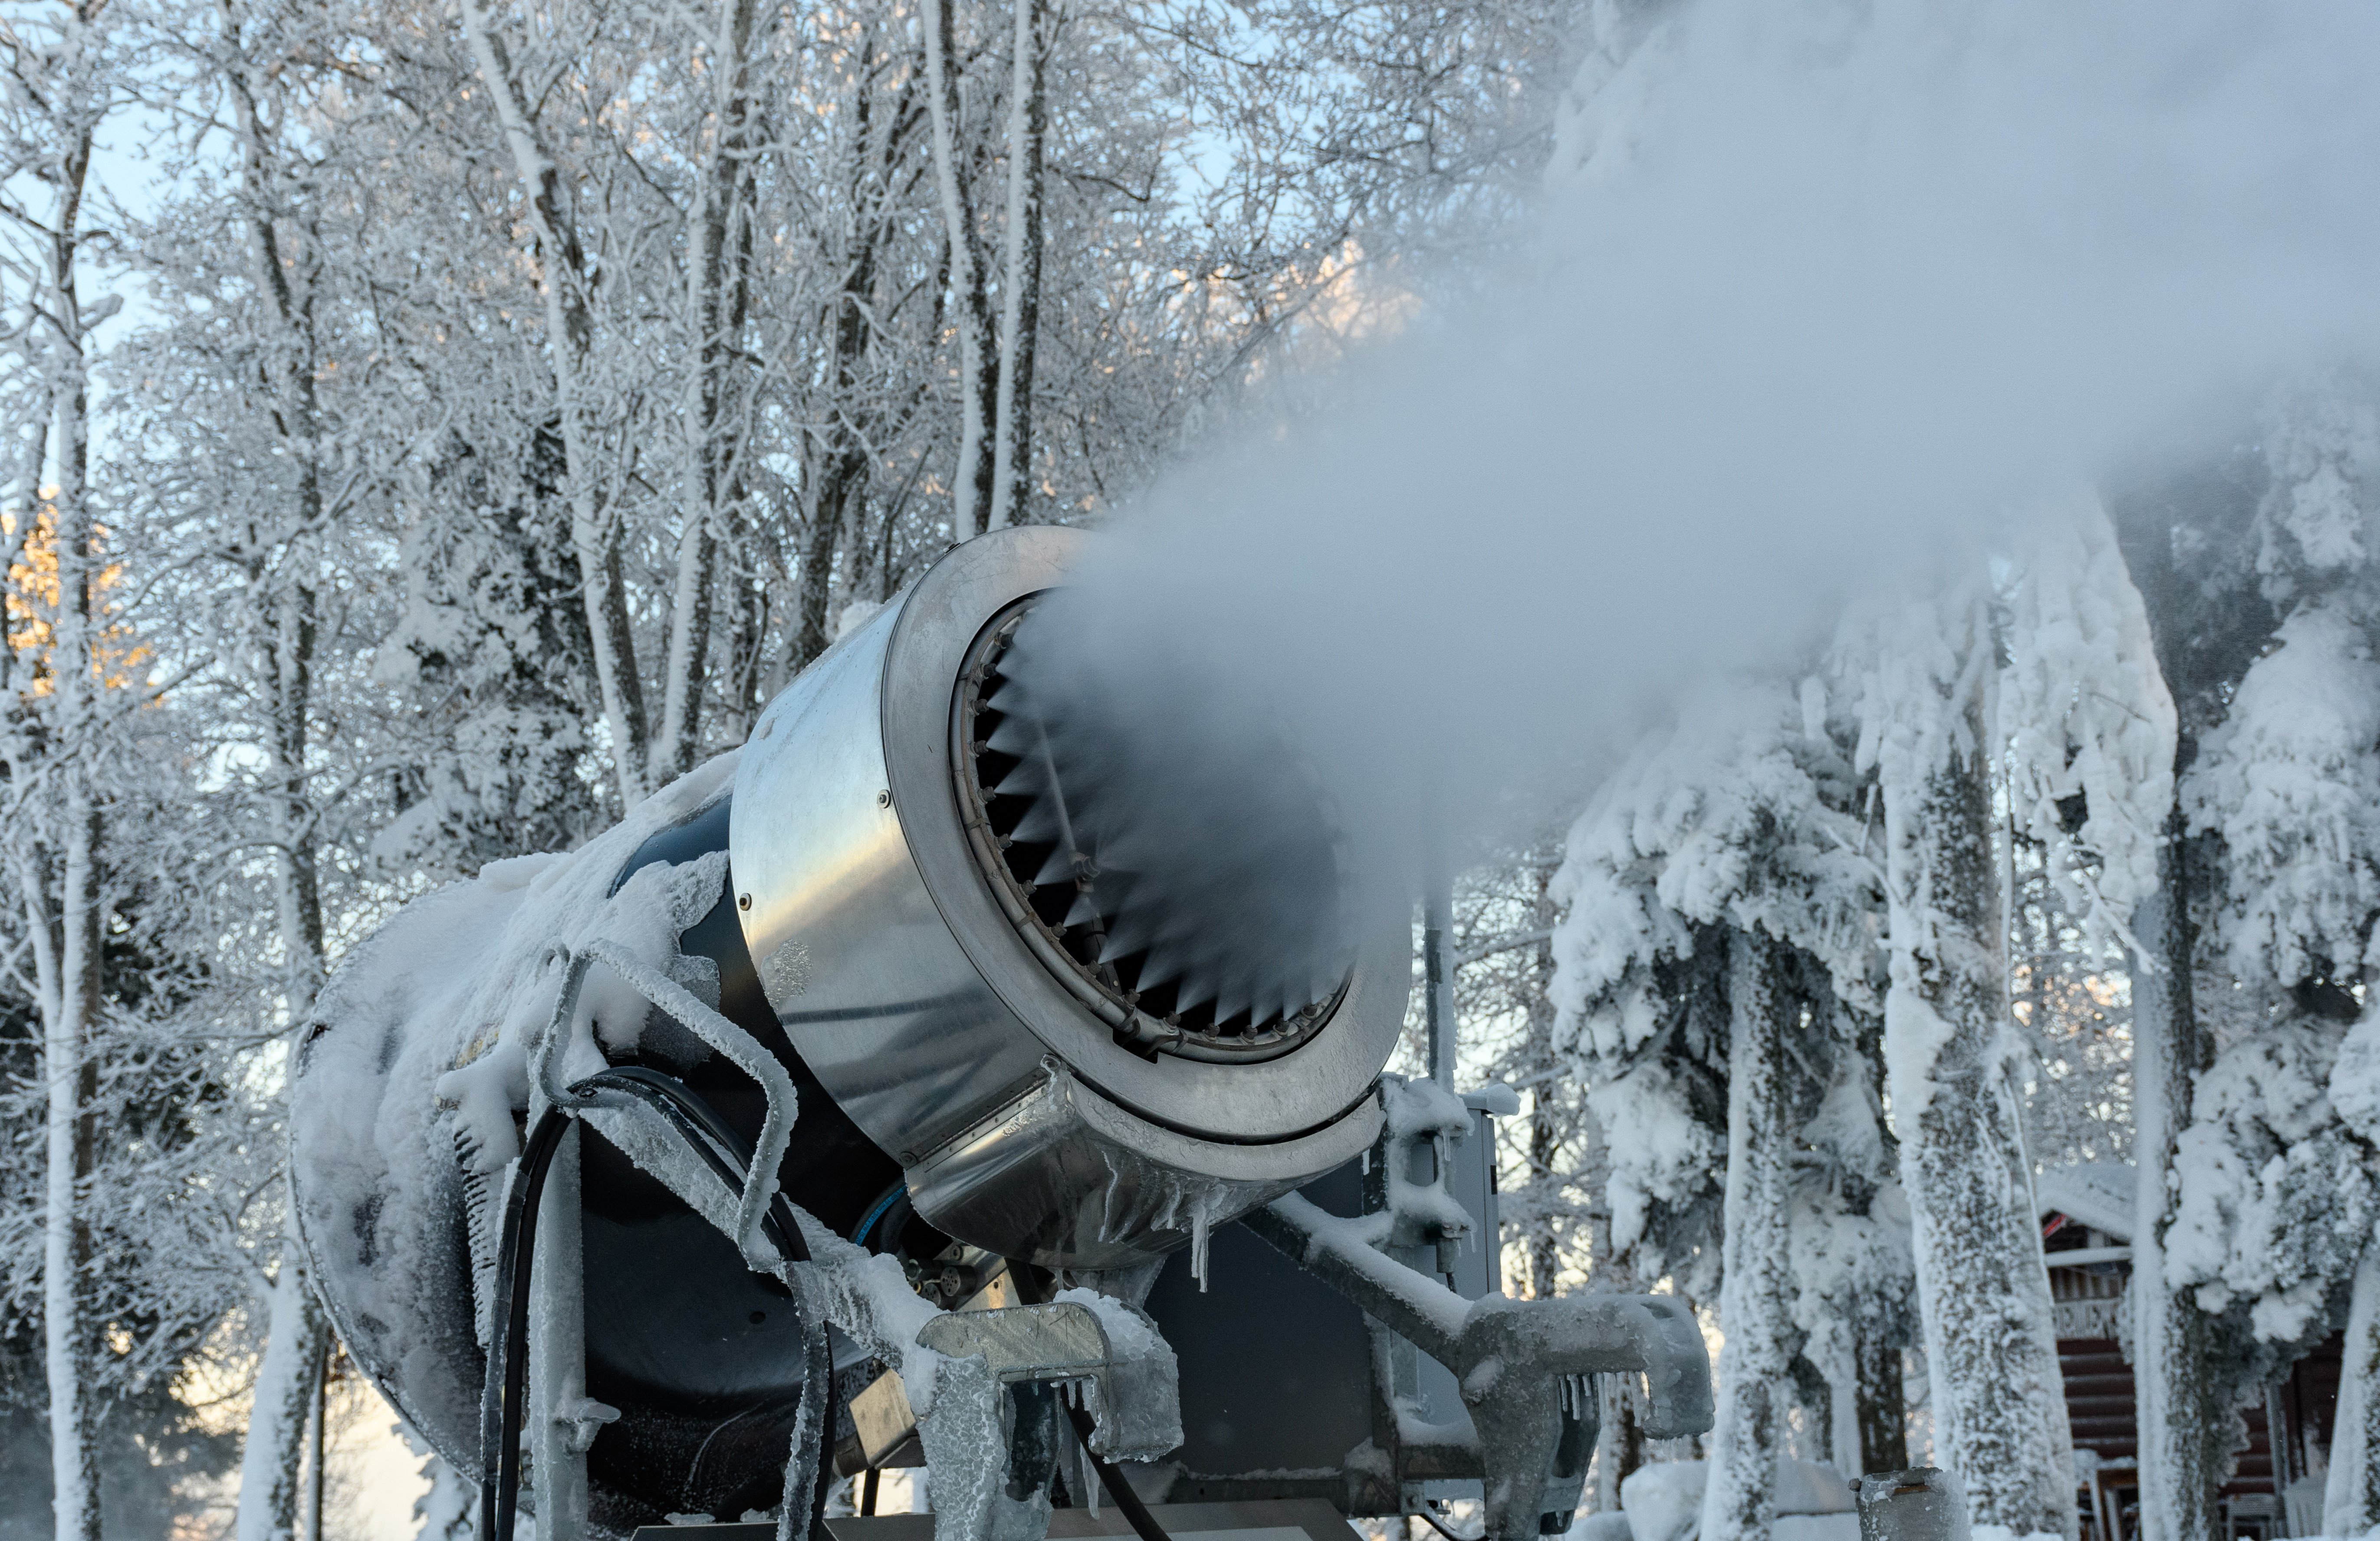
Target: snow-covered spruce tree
[1855,1300]
[1720,915]
[2188,544]
[483,658]
[1927,729]
[2272,1179]
[2090,733]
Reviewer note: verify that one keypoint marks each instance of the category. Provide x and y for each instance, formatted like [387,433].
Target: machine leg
[560,1426]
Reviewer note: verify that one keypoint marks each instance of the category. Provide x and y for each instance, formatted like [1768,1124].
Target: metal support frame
[1522,1364]
[561,1421]
[973,1365]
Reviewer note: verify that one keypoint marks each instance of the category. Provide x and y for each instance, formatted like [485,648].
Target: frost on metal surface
[1420,1212]
[1519,1363]
[966,1451]
[1137,1404]
[416,1059]
[491,999]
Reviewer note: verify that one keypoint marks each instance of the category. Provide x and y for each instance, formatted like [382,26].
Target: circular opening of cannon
[1191,894]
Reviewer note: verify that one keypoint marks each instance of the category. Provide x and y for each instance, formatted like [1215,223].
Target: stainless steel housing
[1021,1122]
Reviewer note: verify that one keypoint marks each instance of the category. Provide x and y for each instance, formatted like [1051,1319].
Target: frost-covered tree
[2266,1186]
[61,720]
[1927,679]
[1719,952]
[2090,731]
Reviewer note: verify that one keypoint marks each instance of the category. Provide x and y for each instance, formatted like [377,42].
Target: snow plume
[2314,529]
[1820,286]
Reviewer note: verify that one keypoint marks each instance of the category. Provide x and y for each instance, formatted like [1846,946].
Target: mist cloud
[1820,290]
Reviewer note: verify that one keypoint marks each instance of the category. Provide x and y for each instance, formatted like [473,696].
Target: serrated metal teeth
[1232,934]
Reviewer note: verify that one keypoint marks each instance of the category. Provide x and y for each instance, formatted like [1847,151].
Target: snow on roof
[2099,1194]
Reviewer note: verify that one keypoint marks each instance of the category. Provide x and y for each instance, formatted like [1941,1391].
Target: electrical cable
[502,1409]
[1424,1514]
[893,1195]
[1032,1291]
[701,1129]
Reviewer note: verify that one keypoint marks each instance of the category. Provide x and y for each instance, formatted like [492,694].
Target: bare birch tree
[563,282]
[61,89]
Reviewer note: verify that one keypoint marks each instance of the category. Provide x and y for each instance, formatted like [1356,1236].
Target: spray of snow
[1817,285]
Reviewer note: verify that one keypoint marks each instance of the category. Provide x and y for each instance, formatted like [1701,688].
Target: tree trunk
[1755,1290]
[2170,1346]
[1619,1442]
[2352,1496]
[1998,1402]
[842,463]
[1540,1070]
[1020,297]
[74,1466]
[296,1339]
[594,535]
[1878,1393]
[718,286]
[73,1001]
[971,484]
[297,1333]
[1882,1407]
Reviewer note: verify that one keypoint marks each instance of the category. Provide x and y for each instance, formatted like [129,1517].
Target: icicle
[1199,1242]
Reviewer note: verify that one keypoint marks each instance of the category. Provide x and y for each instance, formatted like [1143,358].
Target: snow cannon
[852,1101]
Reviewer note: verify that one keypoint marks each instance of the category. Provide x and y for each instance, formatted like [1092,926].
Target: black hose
[1135,1513]
[719,1145]
[1424,1515]
[1033,1292]
[502,1409]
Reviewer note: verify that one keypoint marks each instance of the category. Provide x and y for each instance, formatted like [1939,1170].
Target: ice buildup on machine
[753,1139]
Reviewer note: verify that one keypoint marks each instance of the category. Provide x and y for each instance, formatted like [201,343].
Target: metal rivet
[884,799]
[743,901]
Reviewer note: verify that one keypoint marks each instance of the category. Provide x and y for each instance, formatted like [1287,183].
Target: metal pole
[320,1410]
[1438,976]
[557,1355]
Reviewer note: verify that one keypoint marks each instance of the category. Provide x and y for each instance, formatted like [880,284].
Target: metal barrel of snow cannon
[860,896]
[888,833]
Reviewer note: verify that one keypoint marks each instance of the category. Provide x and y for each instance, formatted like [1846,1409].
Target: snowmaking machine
[911,1087]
